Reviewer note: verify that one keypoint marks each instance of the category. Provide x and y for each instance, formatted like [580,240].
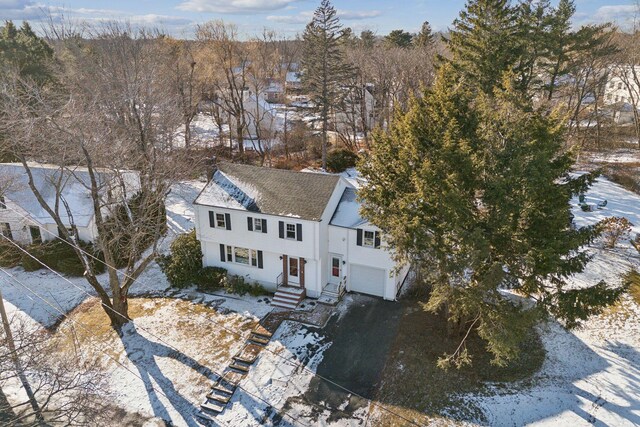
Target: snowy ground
[617,156]
[591,375]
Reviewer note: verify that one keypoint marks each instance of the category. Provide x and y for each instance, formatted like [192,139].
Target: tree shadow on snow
[143,354]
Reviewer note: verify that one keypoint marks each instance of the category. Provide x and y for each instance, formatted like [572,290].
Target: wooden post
[18,365]
[285,270]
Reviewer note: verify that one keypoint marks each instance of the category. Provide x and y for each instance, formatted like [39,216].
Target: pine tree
[23,50]
[398,38]
[368,39]
[324,69]
[485,42]
[424,38]
[474,189]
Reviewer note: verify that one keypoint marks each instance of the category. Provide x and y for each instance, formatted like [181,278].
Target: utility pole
[16,361]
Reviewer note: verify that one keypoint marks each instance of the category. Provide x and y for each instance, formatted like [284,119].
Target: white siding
[17,222]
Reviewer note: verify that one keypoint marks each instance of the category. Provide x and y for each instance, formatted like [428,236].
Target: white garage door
[367,280]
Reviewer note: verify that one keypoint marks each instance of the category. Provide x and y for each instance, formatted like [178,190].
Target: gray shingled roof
[270,191]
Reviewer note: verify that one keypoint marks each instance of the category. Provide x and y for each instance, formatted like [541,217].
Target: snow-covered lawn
[590,375]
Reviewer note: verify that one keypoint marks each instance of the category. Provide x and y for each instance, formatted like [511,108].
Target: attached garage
[367,280]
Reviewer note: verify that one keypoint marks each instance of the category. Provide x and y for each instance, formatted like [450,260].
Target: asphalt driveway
[361,338]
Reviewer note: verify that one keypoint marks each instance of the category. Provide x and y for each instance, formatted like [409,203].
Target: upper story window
[219,220]
[290,231]
[368,238]
[620,85]
[258,225]
[3,203]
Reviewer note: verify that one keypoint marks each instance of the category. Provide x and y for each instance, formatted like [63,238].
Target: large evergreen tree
[471,185]
[485,41]
[324,69]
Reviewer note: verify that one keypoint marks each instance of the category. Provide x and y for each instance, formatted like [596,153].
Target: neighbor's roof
[75,184]
[270,191]
[348,212]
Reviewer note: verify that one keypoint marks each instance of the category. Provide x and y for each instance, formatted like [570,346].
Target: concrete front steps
[288,297]
[331,294]
[223,389]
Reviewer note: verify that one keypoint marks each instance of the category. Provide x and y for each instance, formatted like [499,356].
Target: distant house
[293,82]
[24,220]
[623,86]
[273,92]
[295,232]
[262,119]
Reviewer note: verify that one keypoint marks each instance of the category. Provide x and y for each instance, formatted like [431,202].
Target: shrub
[238,285]
[632,279]
[185,262]
[70,266]
[29,263]
[211,278]
[636,242]
[61,257]
[339,160]
[613,229]
[10,255]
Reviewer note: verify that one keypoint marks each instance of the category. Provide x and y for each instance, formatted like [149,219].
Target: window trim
[220,224]
[366,244]
[287,231]
[253,256]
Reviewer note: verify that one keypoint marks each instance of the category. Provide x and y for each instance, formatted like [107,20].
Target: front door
[294,271]
[335,269]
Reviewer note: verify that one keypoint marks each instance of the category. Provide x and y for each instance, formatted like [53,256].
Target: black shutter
[281,229]
[250,223]
[260,265]
[264,225]
[212,219]
[377,240]
[227,221]
[299,232]
[359,237]
[223,253]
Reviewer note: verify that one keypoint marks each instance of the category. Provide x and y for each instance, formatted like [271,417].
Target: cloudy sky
[286,16]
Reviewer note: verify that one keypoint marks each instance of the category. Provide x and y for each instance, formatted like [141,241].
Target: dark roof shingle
[270,191]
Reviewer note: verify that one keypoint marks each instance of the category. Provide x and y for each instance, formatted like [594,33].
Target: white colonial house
[24,220]
[299,233]
[622,92]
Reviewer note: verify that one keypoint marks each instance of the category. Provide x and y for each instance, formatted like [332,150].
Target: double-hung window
[221,221]
[368,238]
[238,255]
[290,230]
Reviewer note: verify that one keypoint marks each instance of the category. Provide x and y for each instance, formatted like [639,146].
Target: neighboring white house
[24,220]
[622,92]
[295,231]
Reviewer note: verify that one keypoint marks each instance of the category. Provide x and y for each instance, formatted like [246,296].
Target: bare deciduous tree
[109,113]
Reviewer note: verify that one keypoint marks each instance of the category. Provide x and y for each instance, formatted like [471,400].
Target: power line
[138,327]
[84,327]
[292,363]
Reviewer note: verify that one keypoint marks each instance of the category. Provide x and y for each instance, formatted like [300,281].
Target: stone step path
[224,387]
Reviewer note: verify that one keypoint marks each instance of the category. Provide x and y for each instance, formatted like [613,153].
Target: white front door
[294,271]
[335,269]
